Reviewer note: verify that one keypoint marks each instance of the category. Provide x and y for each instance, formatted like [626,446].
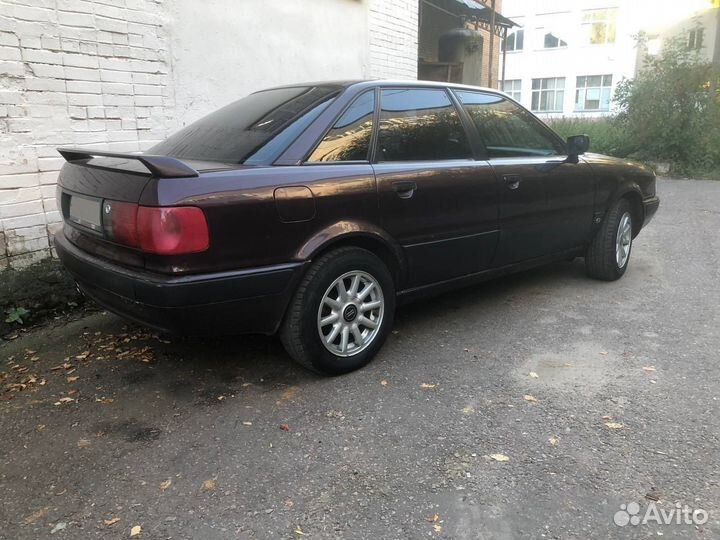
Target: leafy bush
[670,112]
[606,136]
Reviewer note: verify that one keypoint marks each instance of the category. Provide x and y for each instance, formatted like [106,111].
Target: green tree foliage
[669,113]
[671,110]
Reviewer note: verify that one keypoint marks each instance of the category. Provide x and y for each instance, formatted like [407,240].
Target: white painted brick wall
[76,73]
[393,29]
[98,73]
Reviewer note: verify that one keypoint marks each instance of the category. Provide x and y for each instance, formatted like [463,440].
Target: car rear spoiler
[160,166]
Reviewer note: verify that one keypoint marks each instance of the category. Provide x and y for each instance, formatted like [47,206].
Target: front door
[546,201]
[435,199]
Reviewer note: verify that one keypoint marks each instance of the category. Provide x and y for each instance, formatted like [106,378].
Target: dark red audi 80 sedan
[311,210]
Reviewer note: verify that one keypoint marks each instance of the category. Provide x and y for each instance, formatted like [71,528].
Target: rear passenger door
[546,202]
[435,198]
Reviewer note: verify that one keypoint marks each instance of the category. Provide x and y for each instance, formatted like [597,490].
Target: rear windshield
[261,124]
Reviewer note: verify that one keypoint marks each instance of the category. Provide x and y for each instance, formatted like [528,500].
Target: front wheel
[341,313]
[608,256]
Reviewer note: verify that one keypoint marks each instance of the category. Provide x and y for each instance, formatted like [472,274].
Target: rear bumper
[245,301]
[650,207]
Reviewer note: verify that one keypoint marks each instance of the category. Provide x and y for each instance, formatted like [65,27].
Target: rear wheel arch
[374,245]
[347,234]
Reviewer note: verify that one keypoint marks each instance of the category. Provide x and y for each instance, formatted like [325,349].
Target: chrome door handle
[512,180]
[404,190]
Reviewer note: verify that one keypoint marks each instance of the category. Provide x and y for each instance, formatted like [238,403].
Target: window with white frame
[515,41]
[600,26]
[592,93]
[513,89]
[695,39]
[551,38]
[548,95]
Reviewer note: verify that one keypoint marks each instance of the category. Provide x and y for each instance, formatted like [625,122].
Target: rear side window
[349,138]
[418,124]
[506,129]
[243,128]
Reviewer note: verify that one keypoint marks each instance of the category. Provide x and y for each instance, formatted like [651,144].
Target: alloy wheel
[351,313]
[623,240]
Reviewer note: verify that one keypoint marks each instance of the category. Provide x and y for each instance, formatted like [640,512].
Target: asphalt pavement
[532,406]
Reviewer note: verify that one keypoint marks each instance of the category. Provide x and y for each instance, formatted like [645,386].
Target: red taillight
[173,230]
[121,222]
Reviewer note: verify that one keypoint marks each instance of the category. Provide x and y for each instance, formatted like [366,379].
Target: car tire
[608,256]
[334,324]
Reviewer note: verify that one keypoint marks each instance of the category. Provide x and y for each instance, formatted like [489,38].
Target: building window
[513,89]
[599,26]
[551,39]
[695,39]
[593,93]
[548,95]
[514,41]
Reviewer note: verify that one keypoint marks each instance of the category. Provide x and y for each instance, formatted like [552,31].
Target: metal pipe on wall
[492,43]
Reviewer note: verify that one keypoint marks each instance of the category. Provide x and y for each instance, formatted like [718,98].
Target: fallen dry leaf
[614,425]
[136,530]
[83,443]
[533,375]
[112,521]
[32,518]
[433,519]
[166,484]
[499,457]
[428,385]
[285,427]
[553,440]
[72,379]
[438,528]
[208,485]
[531,399]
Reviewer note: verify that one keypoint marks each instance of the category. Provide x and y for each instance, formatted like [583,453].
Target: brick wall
[393,28]
[102,73]
[72,72]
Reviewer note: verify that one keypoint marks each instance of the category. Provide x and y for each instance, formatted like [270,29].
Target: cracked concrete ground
[599,394]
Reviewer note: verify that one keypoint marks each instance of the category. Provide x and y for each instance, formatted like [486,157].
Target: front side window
[349,138]
[515,41]
[593,92]
[548,95]
[243,129]
[418,124]
[599,26]
[506,129]
[513,89]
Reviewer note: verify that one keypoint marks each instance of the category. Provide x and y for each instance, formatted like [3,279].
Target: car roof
[369,83]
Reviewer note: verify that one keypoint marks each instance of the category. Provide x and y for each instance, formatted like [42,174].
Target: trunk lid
[91,179]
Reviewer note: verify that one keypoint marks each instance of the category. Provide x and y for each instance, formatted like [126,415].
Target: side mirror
[577,145]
